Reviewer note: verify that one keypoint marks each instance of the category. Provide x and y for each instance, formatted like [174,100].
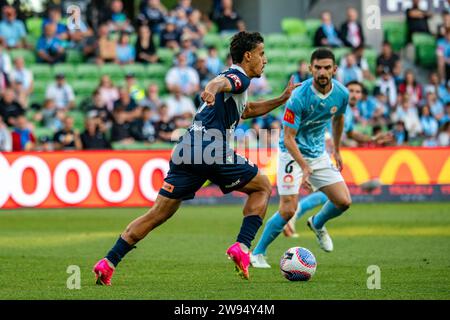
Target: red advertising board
[133,178]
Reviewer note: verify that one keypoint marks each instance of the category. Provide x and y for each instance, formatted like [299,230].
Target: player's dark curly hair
[323,53]
[242,42]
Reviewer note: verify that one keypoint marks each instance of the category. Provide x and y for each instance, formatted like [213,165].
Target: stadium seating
[311,26]
[395,33]
[425,47]
[28,56]
[293,26]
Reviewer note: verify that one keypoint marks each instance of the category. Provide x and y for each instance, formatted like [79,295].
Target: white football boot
[322,235]
[259,261]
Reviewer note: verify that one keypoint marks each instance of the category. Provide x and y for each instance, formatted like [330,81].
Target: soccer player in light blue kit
[318,198]
[303,160]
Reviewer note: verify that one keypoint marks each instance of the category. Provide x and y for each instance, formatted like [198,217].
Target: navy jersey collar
[235,66]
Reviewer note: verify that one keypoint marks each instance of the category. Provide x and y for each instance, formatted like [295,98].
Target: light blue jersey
[310,112]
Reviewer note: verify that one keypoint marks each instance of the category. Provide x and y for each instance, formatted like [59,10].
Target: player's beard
[322,84]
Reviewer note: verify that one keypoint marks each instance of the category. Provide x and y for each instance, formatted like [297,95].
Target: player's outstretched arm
[381,138]
[215,86]
[259,108]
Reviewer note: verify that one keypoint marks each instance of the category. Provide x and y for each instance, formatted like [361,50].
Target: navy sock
[120,249]
[249,228]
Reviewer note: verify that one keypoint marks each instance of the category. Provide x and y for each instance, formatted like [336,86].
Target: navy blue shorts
[184,180]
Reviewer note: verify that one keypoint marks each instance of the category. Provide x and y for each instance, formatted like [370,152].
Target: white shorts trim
[289,173]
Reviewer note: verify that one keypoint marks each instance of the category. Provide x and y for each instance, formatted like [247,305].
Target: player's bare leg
[339,201]
[258,190]
[137,230]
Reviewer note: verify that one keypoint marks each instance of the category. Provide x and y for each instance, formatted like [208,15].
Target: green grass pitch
[185,258]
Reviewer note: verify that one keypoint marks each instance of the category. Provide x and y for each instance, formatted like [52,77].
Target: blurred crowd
[128,113]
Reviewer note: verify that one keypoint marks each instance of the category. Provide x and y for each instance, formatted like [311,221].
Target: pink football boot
[241,260]
[103,272]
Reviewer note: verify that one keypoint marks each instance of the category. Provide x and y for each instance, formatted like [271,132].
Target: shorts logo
[333,110]
[233,184]
[288,178]
[237,82]
[168,187]
[289,116]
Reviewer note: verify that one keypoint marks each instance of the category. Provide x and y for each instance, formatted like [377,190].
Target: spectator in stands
[327,34]
[94,137]
[143,128]
[349,70]
[386,84]
[79,32]
[228,20]
[446,117]
[152,99]
[107,45]
[166,126]
[49,47]
[145,46]
[181,19]
[428,122]
[416,20]
[179,105]
[259,86]
[185,5]
[400,134]
[443,56]
[126,103]
[5,137]
[170,36]
[12,30]
[20,94]
[351,30]
[182,76]
[302,72]
[362,63]
[54,17]
[99,110]
[10,109]
[202,69]
[116,18]
[108,91]
[67,138]
[188,49]
[153,14]
[120,130]
[22,75]
[136,92]
[433,83]
[61,92]
[387,59]
[382,109]
[195,28]
[213,62]
[5,63]
[366,107]
[443,137]
[50,116]
[125,53]
[442,28]
[22,137]
[397,73]
[435,105]
[44,144]
[411,87]
[408,114]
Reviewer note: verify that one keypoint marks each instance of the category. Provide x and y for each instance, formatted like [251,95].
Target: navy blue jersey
[227,110]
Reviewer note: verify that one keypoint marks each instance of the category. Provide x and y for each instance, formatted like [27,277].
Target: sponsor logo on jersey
[288,178]
[289,116]
[237,82]
[233,184]
[168,187]
[333,110]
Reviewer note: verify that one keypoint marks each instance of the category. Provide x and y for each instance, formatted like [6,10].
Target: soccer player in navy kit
[203,154]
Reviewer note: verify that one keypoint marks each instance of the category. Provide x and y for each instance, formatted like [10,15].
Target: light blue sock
[328,211]
[309,202]
[272,229]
